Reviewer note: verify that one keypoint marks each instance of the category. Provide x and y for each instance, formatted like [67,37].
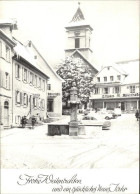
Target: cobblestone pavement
[114,148]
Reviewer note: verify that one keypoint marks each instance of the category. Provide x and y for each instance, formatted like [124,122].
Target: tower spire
[78,15]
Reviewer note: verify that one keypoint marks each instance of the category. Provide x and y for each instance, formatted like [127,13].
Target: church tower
[78,35]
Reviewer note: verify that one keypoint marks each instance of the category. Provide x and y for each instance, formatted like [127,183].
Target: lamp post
[73,124]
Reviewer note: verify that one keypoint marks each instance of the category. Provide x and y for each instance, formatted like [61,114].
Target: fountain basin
[57,128]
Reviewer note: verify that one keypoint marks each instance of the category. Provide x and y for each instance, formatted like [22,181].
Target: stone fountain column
[73,124]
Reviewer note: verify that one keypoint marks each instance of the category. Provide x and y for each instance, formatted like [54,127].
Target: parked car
[80,111]
[66,112]
[104,114]
[87,119]
[86,111]
[108,114]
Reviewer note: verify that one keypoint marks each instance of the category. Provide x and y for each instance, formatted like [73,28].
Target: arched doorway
[6,113]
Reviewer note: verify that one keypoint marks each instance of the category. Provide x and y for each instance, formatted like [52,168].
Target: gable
[41,62]
[108,71]
[77,54]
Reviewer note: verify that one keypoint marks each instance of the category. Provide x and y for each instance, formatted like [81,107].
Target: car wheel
[107,118]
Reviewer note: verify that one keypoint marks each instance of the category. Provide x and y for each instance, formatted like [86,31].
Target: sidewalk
[11,131]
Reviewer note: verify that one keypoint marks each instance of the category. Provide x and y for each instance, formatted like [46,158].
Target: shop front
[127,104]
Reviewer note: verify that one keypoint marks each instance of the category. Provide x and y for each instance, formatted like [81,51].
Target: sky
[115,26]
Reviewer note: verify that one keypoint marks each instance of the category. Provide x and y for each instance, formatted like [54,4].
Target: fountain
[72,128]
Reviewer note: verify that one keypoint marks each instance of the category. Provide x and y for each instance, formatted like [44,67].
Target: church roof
[81,55]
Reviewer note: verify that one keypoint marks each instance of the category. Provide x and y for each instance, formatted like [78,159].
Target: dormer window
[98,79]
[118,77]
[77,42]
[111,78]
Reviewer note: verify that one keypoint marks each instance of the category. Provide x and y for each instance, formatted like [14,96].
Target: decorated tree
[75,70]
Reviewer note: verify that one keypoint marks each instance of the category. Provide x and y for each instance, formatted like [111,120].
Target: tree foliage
[75,70]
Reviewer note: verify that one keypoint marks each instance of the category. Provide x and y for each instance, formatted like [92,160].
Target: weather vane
[79,4]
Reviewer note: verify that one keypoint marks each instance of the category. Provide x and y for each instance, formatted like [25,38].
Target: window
[25,75]
[111,78]
[50,105]
[6,104]
[42,104]
[89,42]
[105,90]
[7,80]
[7,54]
[117,89]
[34,102]
[97,90]
[17,71]
[77,42]
[48,86]
[43,85]
[118,77]
[105,79]
[36,80]
[25,99]
[31,78]
[40,83]
[18,96]
[132,89]
[98,79]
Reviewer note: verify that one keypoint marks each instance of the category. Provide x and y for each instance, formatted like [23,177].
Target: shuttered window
[34,102]
[7,54]
[35,83]
[25,99]
[17,97]
[25,75]
[17,71]
[7,81]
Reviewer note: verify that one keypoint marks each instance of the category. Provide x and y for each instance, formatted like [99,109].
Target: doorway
[122,106]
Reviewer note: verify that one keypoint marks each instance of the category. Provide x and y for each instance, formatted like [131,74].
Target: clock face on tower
[77,33]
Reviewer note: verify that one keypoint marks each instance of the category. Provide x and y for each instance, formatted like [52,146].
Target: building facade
[116,88]
[6,54]
[54,84]
[28,85]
